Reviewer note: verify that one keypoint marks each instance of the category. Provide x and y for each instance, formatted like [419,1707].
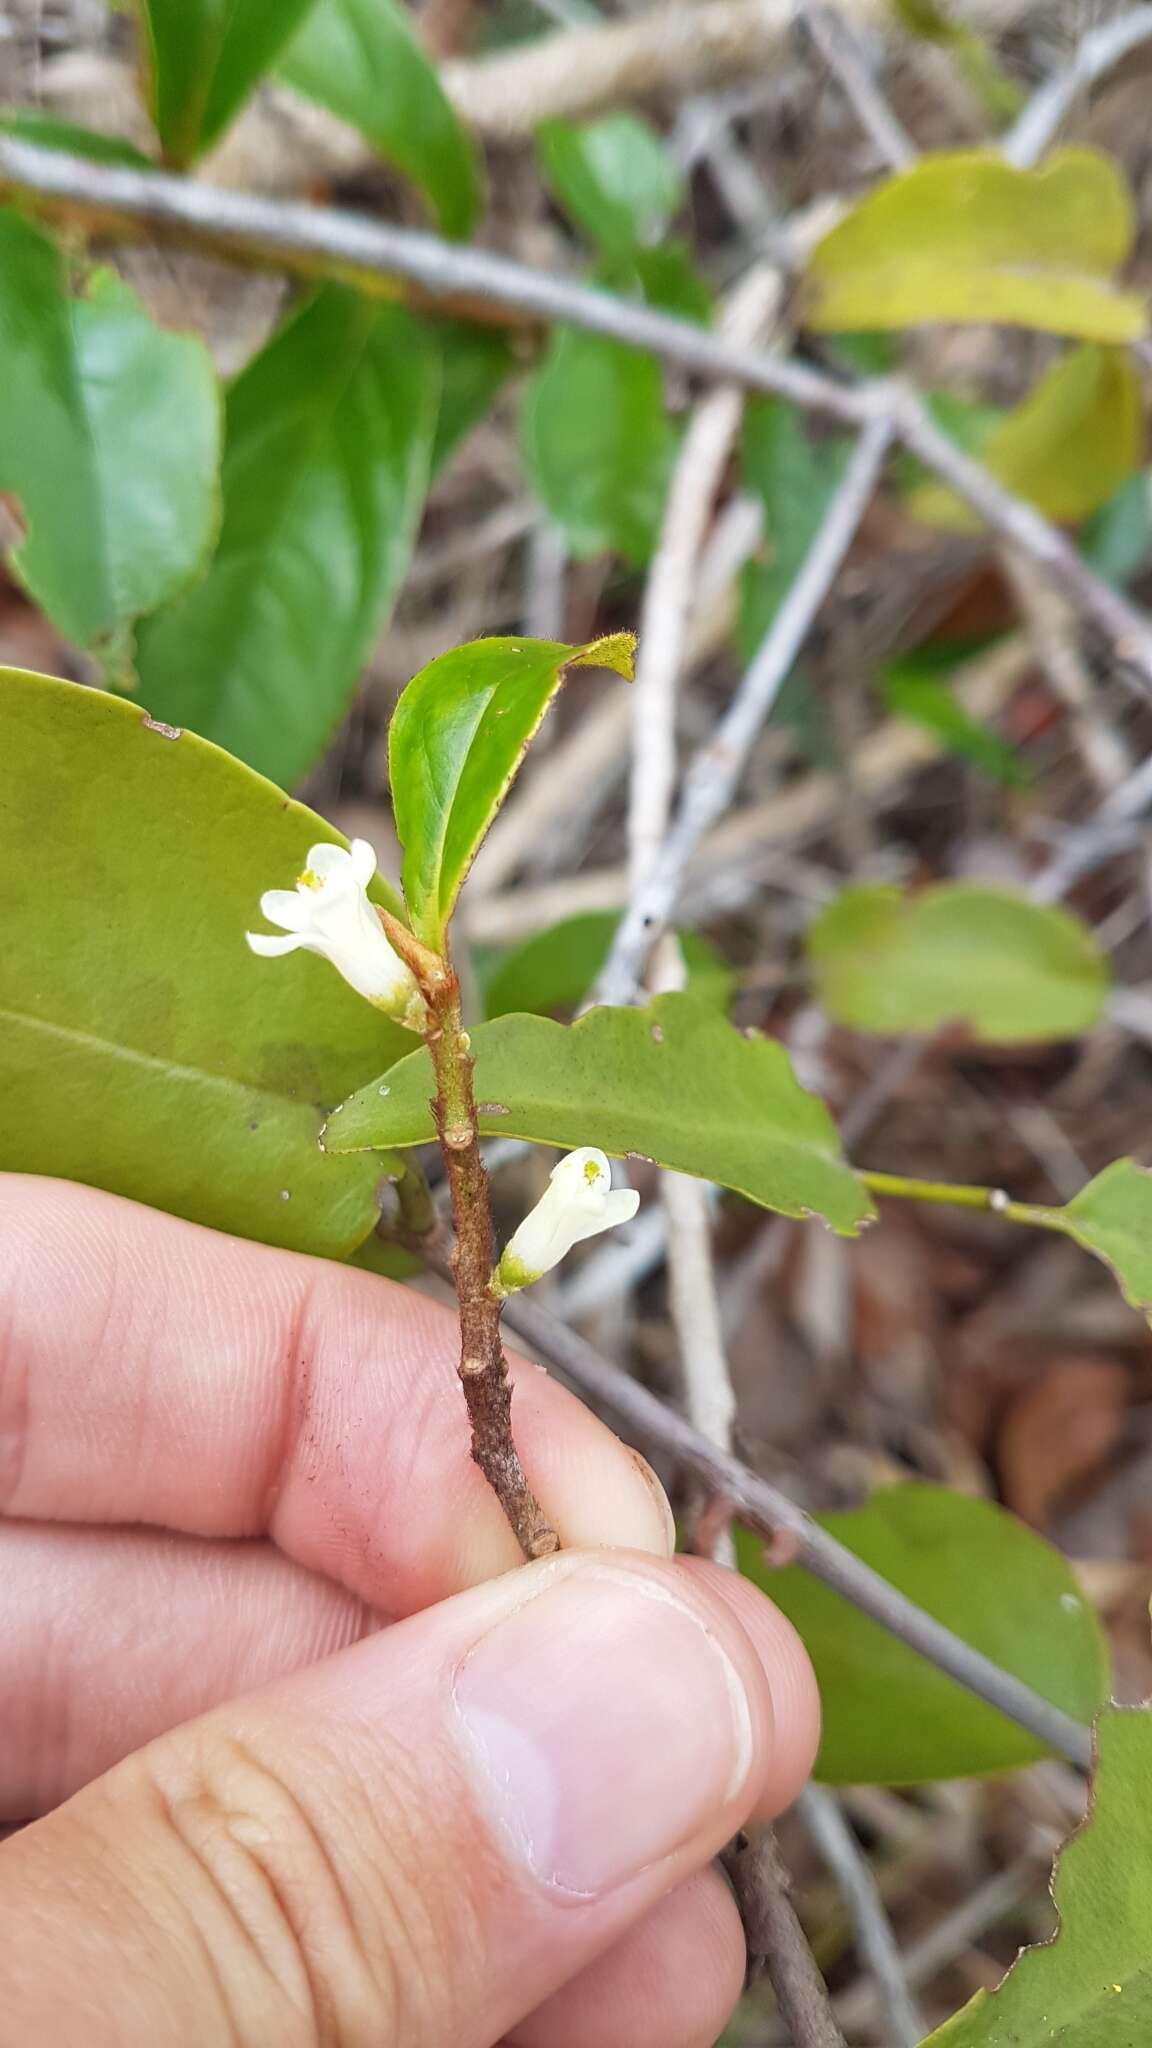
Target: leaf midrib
[110,1048]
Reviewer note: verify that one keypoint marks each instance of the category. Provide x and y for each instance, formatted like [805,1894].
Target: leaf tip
[616,651]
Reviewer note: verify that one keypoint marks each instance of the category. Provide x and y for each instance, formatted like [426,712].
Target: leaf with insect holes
[964,236]
[1012,971]
[1090,1984]
[674,1083]
[457,738]
[142,1047]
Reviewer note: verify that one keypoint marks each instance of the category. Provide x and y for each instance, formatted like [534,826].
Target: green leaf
[327,448]
[913,689]
[598,445]
[555,969]
[456,741]
[1011,970]
[203,58]
[889,1717]
[363,60]
[667,277]
[615,178]
[673,1083]
[109,438]
[142,1046]
[1090,1986]
[1067,448]
[964,236]
[795,479]
[1117,540]
[29,124]
[1112,1217]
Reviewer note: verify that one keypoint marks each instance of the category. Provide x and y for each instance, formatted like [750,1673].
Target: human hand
[267,1819]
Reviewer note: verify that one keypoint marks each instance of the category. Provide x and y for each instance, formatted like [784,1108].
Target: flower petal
[363,862]
[287,908]
[620,1206]
[327,860]
[269,947]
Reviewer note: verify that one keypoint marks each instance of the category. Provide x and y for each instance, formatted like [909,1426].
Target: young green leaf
[1067,448]
[964,236]
[556,969]
[890,1718]
[673,1083]
[795,477]
[1090,1986]
[327,449]
[1011,970]
[615,178]
[914,688]
[142,1048]
[202,58]
[30,124]
[456,741]
[1112,1217]
[598,444]
[363,60]
[109,442]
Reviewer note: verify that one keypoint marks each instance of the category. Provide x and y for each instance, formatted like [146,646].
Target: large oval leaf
[109,441]
[1090,1986]
[203,58]
[329,438]
[456,740]
[1013,971]
[673,1083]
[965,236]
[889,1717]
[363,60]
[1067,449]
[142,1047]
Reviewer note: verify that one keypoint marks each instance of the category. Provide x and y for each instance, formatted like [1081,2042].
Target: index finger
[154,1371]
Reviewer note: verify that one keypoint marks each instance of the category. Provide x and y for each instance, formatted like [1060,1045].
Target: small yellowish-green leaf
[674,1083]
[556,969]
[964,236]
[615,177]
[889,1717]
[363,60]
[1068,448]
[959,953]
[456,741]
[109,441]
[1112,1217]
[1091,1985]
[143,1048]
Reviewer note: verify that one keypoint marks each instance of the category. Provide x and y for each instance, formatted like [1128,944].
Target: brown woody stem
[483,1367]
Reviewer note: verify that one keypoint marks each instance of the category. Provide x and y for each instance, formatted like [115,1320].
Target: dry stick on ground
[326,241]
[776,1940]
[711,781]
[822,1815]
[1047,109]
[836,41]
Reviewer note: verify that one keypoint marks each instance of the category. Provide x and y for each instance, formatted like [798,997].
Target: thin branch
[716,770]
[786,1526]
[327,241]
[1097,53]
[821,1813]
[837,43]
[776,1941]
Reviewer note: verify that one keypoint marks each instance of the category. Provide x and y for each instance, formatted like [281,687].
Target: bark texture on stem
[483,1367]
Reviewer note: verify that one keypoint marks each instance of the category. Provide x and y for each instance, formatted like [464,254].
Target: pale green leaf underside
[456,740]
[143,1048]
[889,1717]
[1091,1985]
[1011,970]
[109,441]
[964,236]
[674,1083]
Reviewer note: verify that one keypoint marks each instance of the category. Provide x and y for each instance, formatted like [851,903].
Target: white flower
[578,1202]
[328,912]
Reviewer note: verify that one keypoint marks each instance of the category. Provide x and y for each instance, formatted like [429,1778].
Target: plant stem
[958,1196]
[483,1367]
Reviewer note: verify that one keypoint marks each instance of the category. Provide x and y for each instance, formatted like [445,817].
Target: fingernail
[606,1725]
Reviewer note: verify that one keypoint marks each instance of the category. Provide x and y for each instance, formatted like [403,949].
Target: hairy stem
[483,1367]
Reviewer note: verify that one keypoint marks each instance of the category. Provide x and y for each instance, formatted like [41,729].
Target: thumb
[416,1841]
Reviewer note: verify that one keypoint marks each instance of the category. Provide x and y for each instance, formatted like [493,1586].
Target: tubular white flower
[328,912]
[578,1202]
